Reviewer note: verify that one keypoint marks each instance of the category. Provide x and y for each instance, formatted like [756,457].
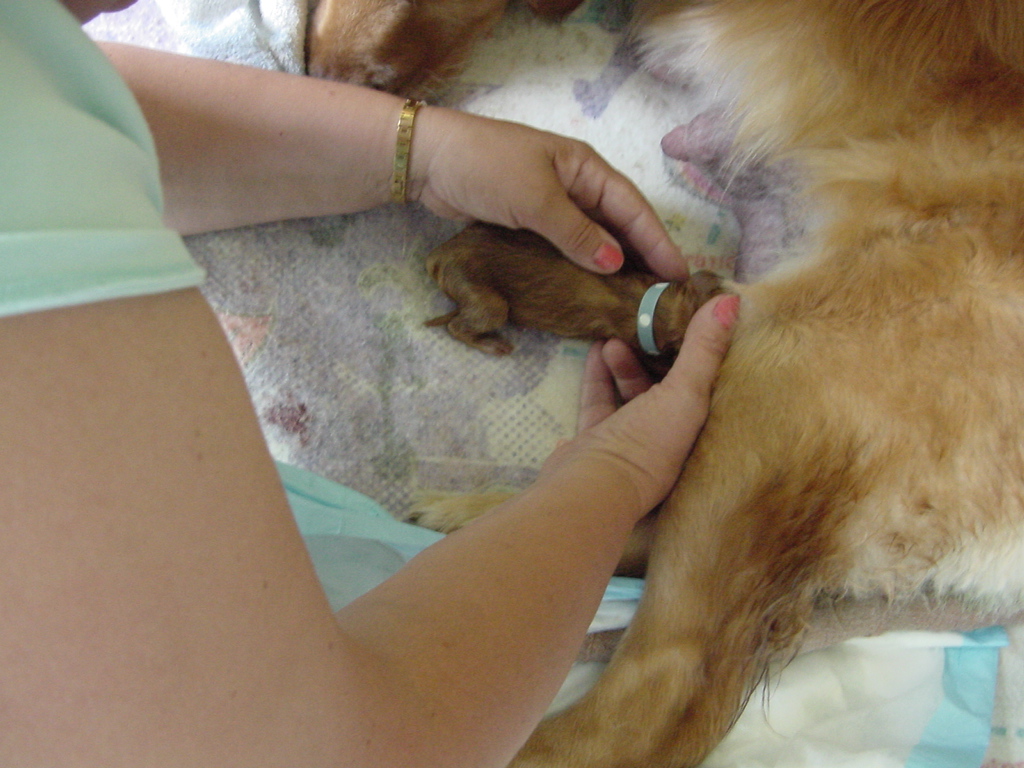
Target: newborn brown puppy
[497,276]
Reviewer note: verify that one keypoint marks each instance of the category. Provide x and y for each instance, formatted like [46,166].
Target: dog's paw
[446,512]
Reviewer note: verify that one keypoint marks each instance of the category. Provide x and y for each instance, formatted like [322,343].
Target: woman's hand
[649,438]
[469,167]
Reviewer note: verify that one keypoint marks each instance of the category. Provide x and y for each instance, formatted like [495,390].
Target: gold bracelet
[403,143]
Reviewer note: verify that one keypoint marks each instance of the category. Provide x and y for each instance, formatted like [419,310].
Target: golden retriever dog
[410,47]
[866,435]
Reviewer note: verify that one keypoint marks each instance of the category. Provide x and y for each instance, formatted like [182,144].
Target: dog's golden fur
[867,429]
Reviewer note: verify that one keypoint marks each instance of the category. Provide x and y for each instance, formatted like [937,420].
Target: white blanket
[262,33]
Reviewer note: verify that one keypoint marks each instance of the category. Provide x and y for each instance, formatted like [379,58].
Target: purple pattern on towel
[593,96]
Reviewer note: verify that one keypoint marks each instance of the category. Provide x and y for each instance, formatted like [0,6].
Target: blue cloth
[355,544]
[958,733]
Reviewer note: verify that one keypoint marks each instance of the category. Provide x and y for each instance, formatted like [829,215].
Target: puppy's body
[497,275]
[867,429]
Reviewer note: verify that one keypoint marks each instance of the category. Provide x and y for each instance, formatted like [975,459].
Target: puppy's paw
[446,512]
[489,342]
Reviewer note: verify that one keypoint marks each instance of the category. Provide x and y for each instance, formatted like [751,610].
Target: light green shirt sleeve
[80,198]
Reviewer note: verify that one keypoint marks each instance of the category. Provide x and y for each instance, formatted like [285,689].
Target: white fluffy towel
[262,33]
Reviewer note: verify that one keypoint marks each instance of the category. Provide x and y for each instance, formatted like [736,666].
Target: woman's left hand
[469,167]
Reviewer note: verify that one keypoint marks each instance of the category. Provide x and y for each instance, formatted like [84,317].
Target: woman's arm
[159,607]
[240,146]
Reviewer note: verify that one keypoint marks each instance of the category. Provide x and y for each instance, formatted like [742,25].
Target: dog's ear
[349,40]
[410,47]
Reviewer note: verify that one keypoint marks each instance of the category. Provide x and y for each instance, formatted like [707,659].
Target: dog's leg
[741,547]
[685,666]
[446,512]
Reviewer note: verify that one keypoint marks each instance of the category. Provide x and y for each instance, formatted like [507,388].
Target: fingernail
[608,257]
[727,310]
